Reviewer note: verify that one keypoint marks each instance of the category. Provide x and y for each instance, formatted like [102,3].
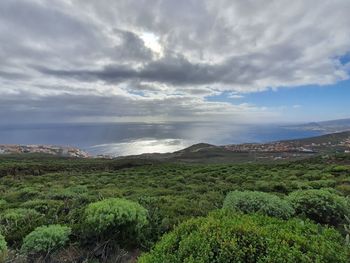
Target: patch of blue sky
[311,102]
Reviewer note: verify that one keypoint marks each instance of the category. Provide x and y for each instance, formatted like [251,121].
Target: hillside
[171,192]
[258,152]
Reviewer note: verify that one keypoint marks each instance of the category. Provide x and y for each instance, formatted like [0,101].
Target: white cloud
[152,42]
[160,59]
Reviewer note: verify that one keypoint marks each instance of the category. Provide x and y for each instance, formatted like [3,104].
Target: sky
[240,61]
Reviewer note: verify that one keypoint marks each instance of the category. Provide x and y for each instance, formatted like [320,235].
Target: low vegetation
[16,223]
[116,211]
[231,237]
[258,202]
[113,223]
[45,240]
[322,206]
[3,249]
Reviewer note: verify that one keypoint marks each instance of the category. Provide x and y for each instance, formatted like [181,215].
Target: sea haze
[135,138]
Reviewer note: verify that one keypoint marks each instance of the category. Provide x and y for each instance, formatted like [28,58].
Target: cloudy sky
[165,60]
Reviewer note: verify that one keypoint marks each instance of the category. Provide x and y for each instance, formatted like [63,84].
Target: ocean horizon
[119,139]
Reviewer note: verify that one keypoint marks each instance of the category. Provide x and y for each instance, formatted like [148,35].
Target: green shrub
[52,209]
[344,188]
[114,219]
[3,249]
[227,237]
[27,193]
[18,222]
[46,239]
[3,204]
[21,194]
[43,206]
[322,184]
[321,206]
[155,227]
[77,193]
[258,202]
[340,168]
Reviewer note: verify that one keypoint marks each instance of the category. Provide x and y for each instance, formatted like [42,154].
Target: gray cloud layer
[72,60]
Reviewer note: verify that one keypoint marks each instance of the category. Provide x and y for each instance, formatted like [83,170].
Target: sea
[118,139]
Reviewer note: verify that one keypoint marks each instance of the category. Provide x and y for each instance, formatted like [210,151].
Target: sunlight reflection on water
[140,146]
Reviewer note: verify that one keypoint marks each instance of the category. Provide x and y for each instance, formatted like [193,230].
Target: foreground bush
[3,249]
[228,237]
[321,206]
[258,202]
[17,223]
[46,239]
[114,219]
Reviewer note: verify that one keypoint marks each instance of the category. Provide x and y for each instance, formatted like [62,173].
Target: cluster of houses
[346,143]
[45,149]
[268,147]
[290,146]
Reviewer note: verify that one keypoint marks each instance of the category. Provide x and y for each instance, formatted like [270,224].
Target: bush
[344,188]
[3,249]
[227,237]
[52,209]
[155,228]
[27,193]
[321,206]
[340,168]
[78,194]
[264,203]
[114,219]
[46,239]
[3,204]
[18,222]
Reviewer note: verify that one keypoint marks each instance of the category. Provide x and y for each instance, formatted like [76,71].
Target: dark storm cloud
[179,71]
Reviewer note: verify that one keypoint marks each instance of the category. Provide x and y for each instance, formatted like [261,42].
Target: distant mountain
[325,126]
[331,139]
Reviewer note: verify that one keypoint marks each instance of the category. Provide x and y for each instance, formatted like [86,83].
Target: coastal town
[65,151]
[299,146]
